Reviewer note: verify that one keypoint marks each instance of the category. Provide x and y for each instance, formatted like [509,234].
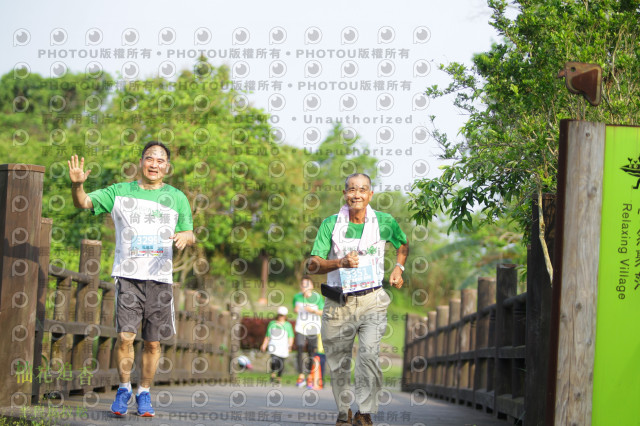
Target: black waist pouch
[333,293]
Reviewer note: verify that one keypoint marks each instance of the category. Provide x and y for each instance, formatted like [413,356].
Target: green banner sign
[616,378]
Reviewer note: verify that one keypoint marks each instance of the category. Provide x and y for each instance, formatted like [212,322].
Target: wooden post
[87,300]
[191,308]
[407,373]
[486,297]
[452,340]
[105,344]
[420,350]
[431,347]
[213,319]
[410,377]
[467,305]
[169,360]
[20,211]
[235,337]
[43,282]
[538,313]
[59,353]
[181,352]
[225,339]
[507,286]
[442,319]
[581,168]
[491,360]
[518,366]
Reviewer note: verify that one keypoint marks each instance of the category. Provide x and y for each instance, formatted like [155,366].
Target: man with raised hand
[149,216]
[349,248]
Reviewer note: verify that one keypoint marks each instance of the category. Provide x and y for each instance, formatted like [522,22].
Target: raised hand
[76,170]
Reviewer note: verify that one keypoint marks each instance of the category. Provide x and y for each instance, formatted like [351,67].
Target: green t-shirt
[308,323]
[279,335]
[389,231]
[144,220]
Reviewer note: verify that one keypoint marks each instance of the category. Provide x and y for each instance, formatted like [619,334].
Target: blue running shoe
[120,405]
[144,405]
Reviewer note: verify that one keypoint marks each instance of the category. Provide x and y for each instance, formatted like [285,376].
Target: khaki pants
[366,317]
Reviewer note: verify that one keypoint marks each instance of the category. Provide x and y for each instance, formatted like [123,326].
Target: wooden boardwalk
[252,405]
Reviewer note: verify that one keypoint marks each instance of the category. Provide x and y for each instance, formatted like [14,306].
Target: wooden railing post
[507,286]
[180,366]
[411,374]
[225,344]
[442,319]
[407,371]
[87,301]
[169,364]
[452,342]
[518,366]
[235,336]
[106,344]
[486,297]
[20,211]
[539,301]
[200,366]
[59,344]
[190,354]
[43,282]
[431,347]
[468,299]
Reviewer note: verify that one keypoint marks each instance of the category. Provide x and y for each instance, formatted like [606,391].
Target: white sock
[127,386]
[141,389]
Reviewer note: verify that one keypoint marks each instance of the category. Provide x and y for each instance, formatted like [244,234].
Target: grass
[22,421]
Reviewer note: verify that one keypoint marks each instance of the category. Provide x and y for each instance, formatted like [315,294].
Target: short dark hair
[352,175]
[156,143]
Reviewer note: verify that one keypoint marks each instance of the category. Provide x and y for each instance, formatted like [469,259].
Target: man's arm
[401,257]
[318,265]
[77,175]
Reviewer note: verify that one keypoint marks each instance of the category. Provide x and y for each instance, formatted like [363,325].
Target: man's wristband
[399,265]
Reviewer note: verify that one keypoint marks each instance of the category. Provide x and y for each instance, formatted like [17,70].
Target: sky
[309,64]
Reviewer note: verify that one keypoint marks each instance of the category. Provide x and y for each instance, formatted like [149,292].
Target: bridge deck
[250,405]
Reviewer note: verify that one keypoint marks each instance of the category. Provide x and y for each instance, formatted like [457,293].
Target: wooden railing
[65,334]
[78,334]
[490,348]
[473,358]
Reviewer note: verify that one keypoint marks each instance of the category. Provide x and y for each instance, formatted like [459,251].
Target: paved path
[254,405]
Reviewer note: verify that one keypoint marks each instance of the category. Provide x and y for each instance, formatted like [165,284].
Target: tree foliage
[508,148]
[252,195]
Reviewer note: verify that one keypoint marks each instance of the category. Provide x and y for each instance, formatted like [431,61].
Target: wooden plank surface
[581,242]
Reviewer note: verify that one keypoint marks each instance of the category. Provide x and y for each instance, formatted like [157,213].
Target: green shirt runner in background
[279,335]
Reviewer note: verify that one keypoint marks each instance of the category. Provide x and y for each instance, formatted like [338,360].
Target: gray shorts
[146,301]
